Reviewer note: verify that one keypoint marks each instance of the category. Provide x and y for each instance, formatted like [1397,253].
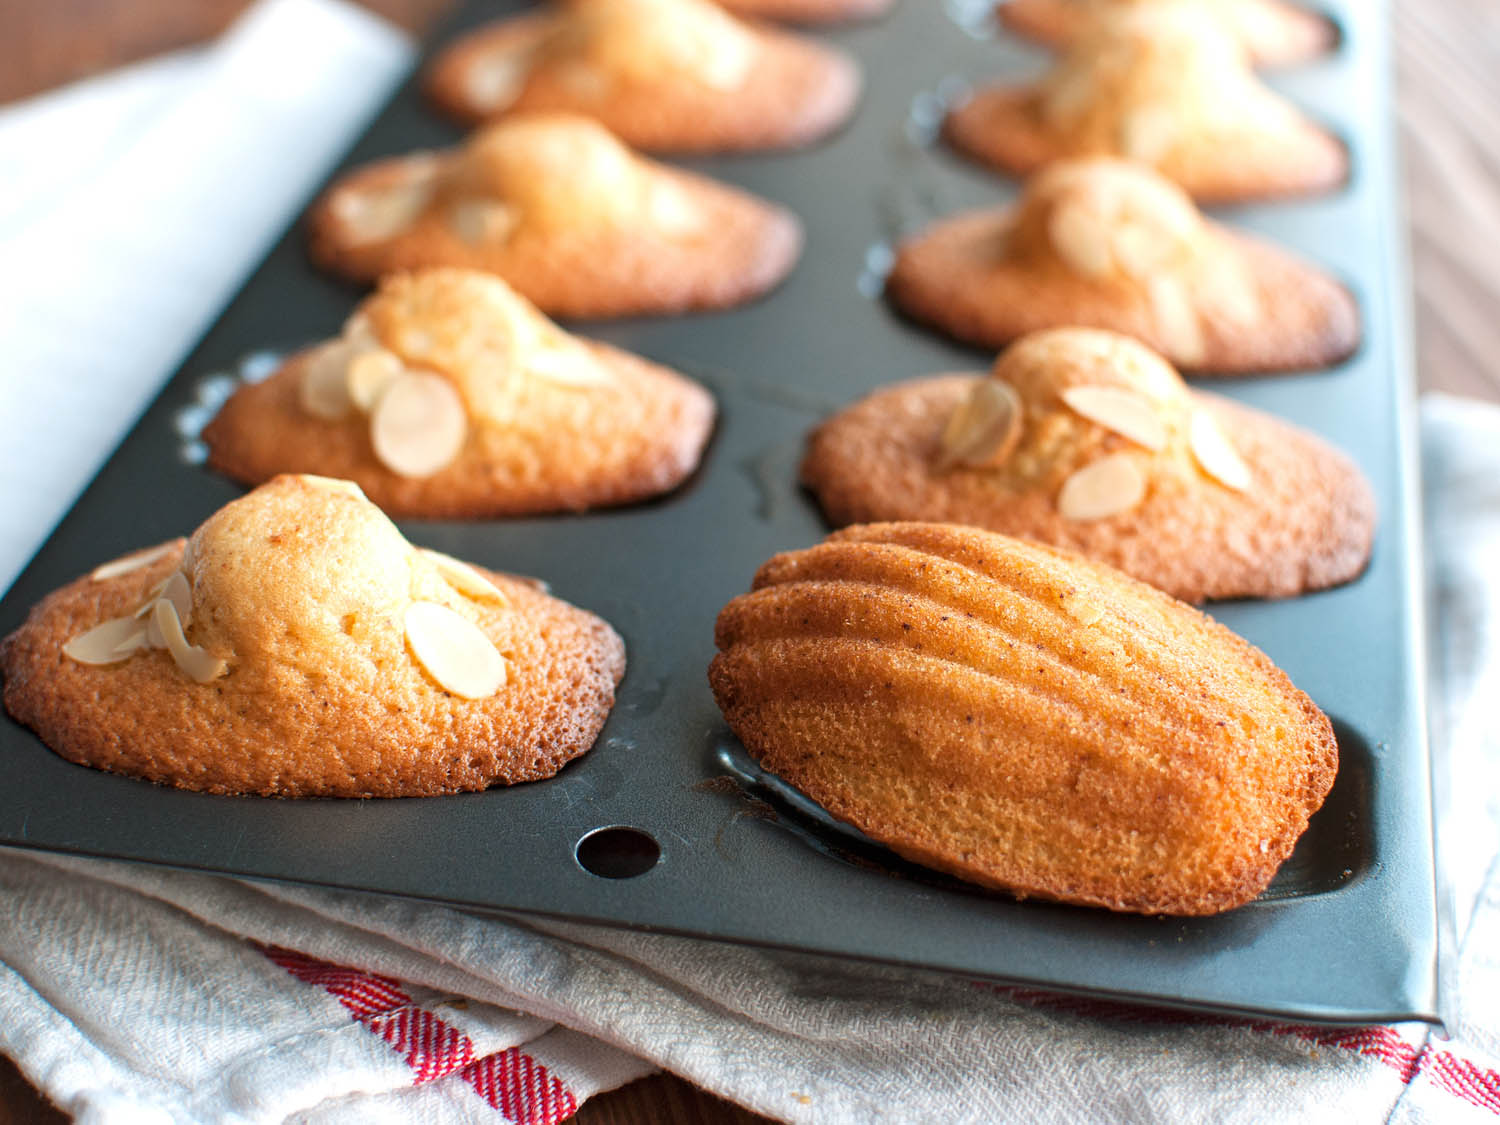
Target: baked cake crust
[793,91]
[1023,718]
[638,432]
[322,696]
[1305,521]
[988,277]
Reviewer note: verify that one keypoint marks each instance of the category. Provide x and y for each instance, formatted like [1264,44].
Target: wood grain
[1448,72]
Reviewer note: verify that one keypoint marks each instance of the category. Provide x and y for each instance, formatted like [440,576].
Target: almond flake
[1140,251]
[464,578]
[1231,294]
[673,210]
[483,220]
[180,594]
[323,391]
[985,428]
[1177,321]
[1213,452]
[191,660]
[331,484]
[567,367]
[358,334]
[495,79]
[134,643]
[1081,237]
[368,375]
[454,651]
[584,80]
[105,644]
[377,214]
[1109,486]
[129,563]
[1147,134]
[1126,413]
[418,425]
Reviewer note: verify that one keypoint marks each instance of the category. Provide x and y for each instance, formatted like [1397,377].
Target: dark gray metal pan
[1347,933]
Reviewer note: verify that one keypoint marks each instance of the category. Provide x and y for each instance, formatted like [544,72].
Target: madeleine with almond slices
[1088,440]
[297,646]
[448,395]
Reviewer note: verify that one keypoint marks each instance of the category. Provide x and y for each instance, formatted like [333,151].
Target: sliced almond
[368,375]
[376,214]
[134,643]
[495,78]
[465,579]
[128,564]
[418,425]
[1214,453]
[567,367]
[331,484]
[454,651]
[180,594]
[1081,237]
[323,392]
[359,334]
[155,638]
[584,80]
[1231,294]
[105,644]
[673,210]
[984,430]
[1177,320]
[1141,251]
[1067,95]
[1147,134]
[191,660]
[1126,413]
[483,220]
[1109,486]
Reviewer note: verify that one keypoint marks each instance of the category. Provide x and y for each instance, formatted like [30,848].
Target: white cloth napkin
[131,994]
[133,206]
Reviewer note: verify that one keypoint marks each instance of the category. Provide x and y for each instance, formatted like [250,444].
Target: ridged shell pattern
[1023,718]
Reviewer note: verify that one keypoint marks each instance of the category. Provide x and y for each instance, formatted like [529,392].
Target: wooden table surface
[1448,69]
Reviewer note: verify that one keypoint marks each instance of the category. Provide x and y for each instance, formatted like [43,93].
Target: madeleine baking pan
[694,840]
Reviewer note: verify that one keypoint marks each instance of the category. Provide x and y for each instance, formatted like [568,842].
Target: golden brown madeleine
[665,75]
[1164,86]
[571,218]
[1087,440]
[448,396]
[298,646]
[1274,33]
[1108,244]
[1023,718]
[808,11]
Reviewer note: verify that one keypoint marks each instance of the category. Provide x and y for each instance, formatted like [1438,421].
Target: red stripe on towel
[511,1081]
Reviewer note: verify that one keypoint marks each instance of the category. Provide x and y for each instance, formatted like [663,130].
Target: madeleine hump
[1023,718]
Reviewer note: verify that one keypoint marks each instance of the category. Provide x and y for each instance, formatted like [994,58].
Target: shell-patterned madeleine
[1105,243]
[666,75]
[1088,440]
[1023,718]
[570,217]
[447,395]
[1274,33]
[297,645]
[1163,85]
